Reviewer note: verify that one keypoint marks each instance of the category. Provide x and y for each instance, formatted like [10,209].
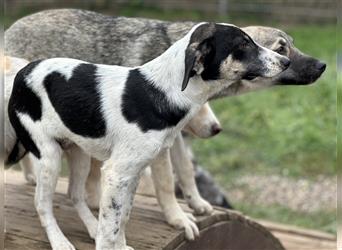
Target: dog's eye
[244,45]
[280,50]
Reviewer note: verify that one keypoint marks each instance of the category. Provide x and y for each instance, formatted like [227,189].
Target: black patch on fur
[14,156]
[146,105]
[225,41]
[122,184]
[115,205]
[116,231]
[24,100]
[77,100]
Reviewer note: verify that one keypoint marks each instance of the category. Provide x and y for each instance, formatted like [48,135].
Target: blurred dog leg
[28,169]
[164,186]
[93,184]
[205,182]
[186,177]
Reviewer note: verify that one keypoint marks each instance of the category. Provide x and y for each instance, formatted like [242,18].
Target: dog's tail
[14,149]
[16,154]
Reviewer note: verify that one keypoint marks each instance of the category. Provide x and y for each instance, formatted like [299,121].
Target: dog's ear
[201,45]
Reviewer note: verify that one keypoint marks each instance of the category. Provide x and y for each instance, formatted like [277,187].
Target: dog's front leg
[118,185]
[185,172]
[164,184]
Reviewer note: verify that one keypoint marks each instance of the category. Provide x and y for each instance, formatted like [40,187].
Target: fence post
[222,7]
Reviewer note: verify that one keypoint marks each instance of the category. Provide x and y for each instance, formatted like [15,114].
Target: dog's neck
[166,72]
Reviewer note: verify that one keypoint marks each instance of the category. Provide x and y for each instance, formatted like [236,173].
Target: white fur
[125,149]
[204,123]
[201,125]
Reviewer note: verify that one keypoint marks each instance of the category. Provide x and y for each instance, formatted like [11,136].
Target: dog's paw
[129,248]
[92,230]
[93,201]
[123,248]
[62,245]
[186,222]
[200,206]
[57,239]
[31,179]
[191,217]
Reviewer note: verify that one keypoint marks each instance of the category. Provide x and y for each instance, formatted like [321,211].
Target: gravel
[301,195]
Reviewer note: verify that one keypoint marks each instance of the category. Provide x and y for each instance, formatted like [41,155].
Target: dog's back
[92,37]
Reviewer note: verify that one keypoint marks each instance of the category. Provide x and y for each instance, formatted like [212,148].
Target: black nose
[215,129]
[285,62]
[321,66]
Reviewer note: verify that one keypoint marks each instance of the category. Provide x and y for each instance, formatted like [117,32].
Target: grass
[325,221]
[284,130]
[288,131]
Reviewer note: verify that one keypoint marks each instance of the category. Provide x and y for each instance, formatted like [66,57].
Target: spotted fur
[125,147]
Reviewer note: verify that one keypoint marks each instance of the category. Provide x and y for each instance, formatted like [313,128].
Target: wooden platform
[147,228]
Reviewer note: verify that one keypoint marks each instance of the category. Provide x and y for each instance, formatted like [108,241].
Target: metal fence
[291,10]
[313,10]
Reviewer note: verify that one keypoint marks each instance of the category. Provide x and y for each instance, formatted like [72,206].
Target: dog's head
[303,69]
[224,52]
[204,124]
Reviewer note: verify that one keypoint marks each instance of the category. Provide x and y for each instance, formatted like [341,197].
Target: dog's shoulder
[147,105]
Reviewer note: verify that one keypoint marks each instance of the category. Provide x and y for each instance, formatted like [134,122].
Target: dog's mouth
[249,76]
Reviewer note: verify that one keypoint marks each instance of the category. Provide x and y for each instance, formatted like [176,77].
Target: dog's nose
[321,66]
[285,62]
[215,129]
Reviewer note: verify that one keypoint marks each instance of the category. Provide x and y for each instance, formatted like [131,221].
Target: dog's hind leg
[28,169]
[164,184]
[79,164]
[93,184]
[47,175]
[186,177]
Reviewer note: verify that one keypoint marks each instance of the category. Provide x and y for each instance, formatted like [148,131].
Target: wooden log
[147,228]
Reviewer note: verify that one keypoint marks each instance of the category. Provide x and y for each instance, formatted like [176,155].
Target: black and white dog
[127,117]
[130,42]
[204,124]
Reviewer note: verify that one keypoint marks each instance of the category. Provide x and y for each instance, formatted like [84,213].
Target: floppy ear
[200,46]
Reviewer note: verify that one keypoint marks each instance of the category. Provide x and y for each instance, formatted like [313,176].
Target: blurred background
[276,156]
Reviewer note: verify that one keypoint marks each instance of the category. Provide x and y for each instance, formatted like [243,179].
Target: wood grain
[147,228]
